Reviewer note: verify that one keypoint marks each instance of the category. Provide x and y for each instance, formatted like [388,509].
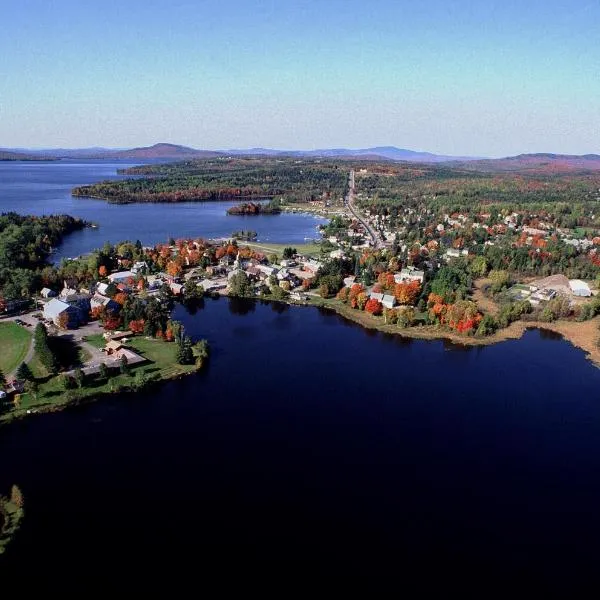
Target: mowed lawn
[14,344]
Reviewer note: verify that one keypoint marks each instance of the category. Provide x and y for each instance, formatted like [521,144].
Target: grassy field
[305,249]
[14,344]
[51,394]
[97,340]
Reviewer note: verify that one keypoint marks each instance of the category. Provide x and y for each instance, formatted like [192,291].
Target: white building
[121,277]
[580,288]
[409,274]
[388,301]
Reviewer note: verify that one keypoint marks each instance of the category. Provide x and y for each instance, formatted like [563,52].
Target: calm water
[45,188]
[310,446]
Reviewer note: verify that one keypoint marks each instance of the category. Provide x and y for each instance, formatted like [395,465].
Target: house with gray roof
[55,309]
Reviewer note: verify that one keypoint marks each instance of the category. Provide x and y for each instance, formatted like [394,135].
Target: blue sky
[485,77]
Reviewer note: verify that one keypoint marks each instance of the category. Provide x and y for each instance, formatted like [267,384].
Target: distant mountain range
[10,155]
[174,151]
[167,152]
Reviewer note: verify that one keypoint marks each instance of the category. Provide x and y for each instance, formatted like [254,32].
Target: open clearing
[14,344]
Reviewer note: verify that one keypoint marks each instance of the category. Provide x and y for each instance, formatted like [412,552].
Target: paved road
[349,201]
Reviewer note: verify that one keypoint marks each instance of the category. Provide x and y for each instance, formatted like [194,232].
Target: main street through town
[349,201]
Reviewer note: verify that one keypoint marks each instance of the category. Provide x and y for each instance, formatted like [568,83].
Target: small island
[255,208]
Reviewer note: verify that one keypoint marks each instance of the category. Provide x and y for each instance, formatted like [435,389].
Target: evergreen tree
[79,377]
[103,371]
[42,348]
[124,365]
[24,373]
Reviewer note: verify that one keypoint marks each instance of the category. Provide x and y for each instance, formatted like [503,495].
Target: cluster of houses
[71,308]
[406,275]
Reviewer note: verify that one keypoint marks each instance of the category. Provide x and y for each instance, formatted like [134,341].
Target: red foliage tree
[137,326]
[112,322]
[373,306]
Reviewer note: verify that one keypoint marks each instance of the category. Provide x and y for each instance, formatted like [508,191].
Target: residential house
[312,266]
[60,313]
[97,301]
[121,277]
[139,267]
[409,274]
[47,293]
[101,288]
[388,301]
[176,288]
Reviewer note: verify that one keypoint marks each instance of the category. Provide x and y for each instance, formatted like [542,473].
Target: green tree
[103,371]
[479,266]
[24,373]
[240,285]
[185,351]
[79,377]
[500,280]
[124,365]
[289,252]
[140,380]
[68,382]
[32,388]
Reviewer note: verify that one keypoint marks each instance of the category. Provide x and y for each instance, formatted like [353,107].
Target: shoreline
[581,335]
[10,418]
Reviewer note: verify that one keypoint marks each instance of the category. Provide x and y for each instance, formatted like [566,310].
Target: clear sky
[478,77]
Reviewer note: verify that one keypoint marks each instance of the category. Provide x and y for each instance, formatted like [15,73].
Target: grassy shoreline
[161,366]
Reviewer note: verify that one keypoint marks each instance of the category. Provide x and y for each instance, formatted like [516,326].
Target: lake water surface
[310,447]
[42,188]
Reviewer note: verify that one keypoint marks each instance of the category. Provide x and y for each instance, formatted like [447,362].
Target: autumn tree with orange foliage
[102,271]
[98,313]
[343,294]
[355,291]
[407,292]
[462,316]
[174,269]
[120,298]
[386,280]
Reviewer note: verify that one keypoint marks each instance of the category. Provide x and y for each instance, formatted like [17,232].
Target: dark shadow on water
[279,307]
[241,306]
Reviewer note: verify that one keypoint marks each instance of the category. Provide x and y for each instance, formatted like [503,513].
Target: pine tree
[24,373]
[124,365]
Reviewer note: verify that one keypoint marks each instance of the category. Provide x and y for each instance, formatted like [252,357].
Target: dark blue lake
[41,188]
[310,447]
